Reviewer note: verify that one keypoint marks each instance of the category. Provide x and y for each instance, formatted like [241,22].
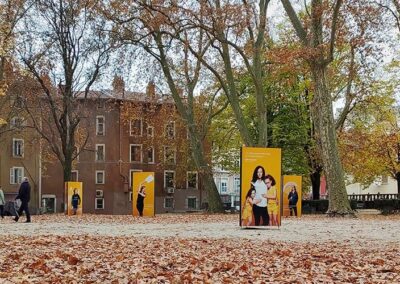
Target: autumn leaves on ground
[296,253]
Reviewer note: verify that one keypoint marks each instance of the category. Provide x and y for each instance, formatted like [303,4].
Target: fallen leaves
[93,258]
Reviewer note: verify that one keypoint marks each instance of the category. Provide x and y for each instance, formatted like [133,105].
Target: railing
[371,197]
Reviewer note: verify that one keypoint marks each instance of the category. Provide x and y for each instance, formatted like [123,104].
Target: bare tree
[156,30]
[65,50]
[321,53]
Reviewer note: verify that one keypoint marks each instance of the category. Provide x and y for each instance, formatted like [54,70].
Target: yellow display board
[143,201]
[260,187]
[291,187]
[74,197]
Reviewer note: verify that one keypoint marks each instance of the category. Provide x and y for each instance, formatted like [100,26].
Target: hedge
[386,206]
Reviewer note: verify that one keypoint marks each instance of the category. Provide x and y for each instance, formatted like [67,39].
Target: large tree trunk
[327,142]
[315,184]
[198,153]
[214,199]
[206,173]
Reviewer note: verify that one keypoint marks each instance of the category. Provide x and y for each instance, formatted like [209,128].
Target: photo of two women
[261,203]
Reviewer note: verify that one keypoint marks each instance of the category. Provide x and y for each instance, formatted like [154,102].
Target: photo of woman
[272,198]
[143,200]
[293,197]
[260,209]
[247,214]
[140,199]
[261,167]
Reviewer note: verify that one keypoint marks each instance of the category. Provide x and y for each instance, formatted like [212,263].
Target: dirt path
[306,229]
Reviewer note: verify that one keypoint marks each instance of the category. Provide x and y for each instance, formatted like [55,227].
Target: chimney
[118,85]
[151,90]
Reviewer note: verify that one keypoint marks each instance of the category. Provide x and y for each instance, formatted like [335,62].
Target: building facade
[126,133]
[228,185]
[20,149]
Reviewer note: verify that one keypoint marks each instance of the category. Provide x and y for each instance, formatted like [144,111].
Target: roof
[127,95]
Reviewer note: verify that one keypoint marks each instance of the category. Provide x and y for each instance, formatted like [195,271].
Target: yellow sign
[143,193]
[292,196]
[74,193]
[260,187]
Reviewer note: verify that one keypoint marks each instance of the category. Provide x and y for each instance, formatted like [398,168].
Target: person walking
[24,195]
[2,202]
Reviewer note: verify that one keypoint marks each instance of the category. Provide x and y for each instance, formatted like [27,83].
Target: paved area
[384,229]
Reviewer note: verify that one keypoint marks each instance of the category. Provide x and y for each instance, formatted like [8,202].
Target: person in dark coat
[293,199]
[140,199]
[24,195]
[75,201]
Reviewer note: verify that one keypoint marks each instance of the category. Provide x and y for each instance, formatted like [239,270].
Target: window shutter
[12,176]
[187,203]
[14,148]
[20,174]
[22,148]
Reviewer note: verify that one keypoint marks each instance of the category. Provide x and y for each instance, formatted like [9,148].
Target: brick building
[128,132]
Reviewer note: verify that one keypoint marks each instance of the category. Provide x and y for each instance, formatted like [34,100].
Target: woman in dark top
[293,198]
[140,199]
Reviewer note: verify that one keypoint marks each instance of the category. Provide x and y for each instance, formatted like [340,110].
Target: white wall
[385,188]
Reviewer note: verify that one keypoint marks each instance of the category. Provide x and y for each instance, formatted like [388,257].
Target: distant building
[128,132]
[382,185]
[19,151]
[228,185]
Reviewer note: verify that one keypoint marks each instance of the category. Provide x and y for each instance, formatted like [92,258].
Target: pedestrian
[2,202]
[24,195]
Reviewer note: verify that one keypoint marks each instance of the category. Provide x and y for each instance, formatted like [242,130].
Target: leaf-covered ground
[47,255]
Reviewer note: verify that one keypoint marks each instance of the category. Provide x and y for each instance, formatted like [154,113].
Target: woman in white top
[260,201]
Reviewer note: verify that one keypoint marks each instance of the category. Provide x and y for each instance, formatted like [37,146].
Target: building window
[224,185]
[99,203]
[170,130]
[100,152]
[100,125]
[100,175]
[150,131]
[192,180]
[169,155]
[100,104]
[74,175]
[168,202]
[18,148]
[385,179]
[169,179]
[150,155]
[17,122]
[16,174]
[136,127]
[135,153]
[191,202]
[76,153]
[237,185]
